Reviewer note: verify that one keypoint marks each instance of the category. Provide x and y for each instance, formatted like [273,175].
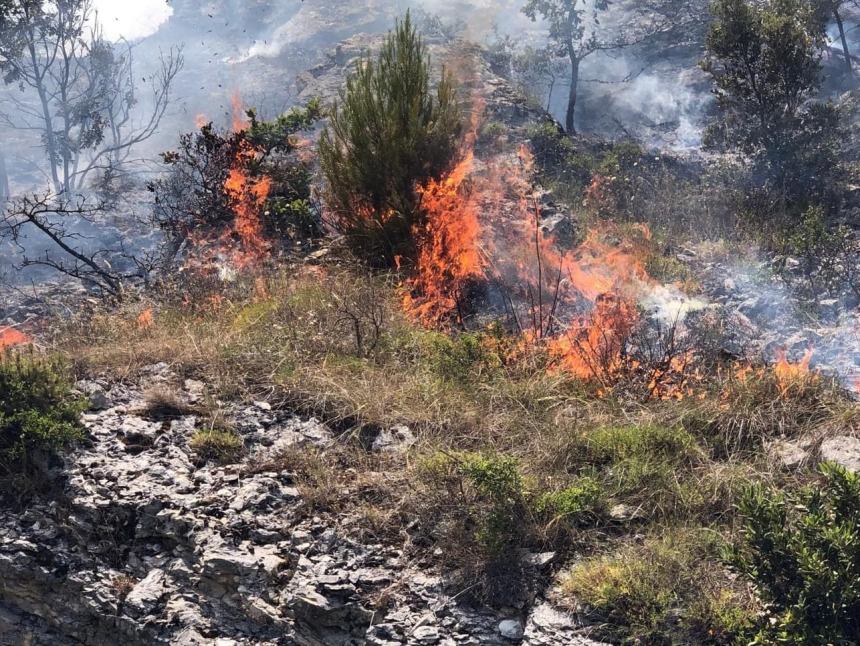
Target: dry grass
[217,445]
[163,403]
[333,343]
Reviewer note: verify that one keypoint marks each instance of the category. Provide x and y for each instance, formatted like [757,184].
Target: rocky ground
[148,547]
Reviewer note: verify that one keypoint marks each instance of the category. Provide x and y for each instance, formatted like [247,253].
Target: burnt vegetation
[519,315]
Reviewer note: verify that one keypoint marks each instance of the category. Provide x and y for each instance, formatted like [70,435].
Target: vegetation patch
[667,588]
[801,549]
[39,419]
[222,446]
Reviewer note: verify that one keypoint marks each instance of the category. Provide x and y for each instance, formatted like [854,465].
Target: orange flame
[448,253]
[10,337]
[788,373]
[239,119]
[593,348]
[200,120]
[146,319]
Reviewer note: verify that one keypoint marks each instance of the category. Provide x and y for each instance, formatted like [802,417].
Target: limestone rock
[843,450]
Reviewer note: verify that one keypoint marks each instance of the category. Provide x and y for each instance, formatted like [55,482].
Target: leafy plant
[802,551]
[765,61]
[193,194]
[389,132]
[39,417]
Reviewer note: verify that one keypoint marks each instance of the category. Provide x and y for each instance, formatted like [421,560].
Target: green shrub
[39,417]
[802,551]
[463,358]
[669,589]
[825,253]
[614,444]
[648,467]
[576,504]
[623,157]
[389,132]
[218,445]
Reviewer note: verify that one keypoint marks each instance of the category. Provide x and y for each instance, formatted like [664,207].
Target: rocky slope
[147,547]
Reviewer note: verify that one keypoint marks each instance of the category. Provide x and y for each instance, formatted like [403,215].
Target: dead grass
[163,403]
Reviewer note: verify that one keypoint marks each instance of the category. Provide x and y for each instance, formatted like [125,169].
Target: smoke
[131,20]
[782,321]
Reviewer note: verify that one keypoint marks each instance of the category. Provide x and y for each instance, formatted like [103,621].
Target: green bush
[389,133]
[464,358]
[802,551]
[826,254]
[39,417]
[650,468]
[669,589]
[576,504]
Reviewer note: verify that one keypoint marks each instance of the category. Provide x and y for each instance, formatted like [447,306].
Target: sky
[132,19]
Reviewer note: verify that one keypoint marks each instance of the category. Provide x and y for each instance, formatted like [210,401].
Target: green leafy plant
[39,418]
[765,62]
[801,549]
[390,132]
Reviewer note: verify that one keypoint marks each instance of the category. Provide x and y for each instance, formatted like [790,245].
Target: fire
[593,347]
[788,373]
[245,241]
[11,337]
[239,119]
[248,196]
[448,255]
[145,319]
[200,121]
[448,240]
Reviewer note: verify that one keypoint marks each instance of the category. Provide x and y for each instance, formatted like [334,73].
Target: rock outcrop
[146,546]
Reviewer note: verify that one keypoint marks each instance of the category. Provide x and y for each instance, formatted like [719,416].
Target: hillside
[586,399]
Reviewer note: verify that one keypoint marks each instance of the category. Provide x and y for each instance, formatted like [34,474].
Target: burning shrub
[39,417]
[802,551]
[759,404]
[388,135]
[241,188]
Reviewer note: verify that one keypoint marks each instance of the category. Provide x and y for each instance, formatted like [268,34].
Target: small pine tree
[389,132]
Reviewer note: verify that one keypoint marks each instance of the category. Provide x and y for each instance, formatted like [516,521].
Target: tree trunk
[549,98]
[569,122]
[845,51]
[5,193]
[50,139]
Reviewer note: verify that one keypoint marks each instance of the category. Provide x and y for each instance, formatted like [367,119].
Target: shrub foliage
[389,132]
[802,551]
[38,418]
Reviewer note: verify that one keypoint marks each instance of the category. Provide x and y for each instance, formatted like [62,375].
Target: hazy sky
[132,19]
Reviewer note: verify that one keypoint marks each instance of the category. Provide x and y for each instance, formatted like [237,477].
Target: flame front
[245,242]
